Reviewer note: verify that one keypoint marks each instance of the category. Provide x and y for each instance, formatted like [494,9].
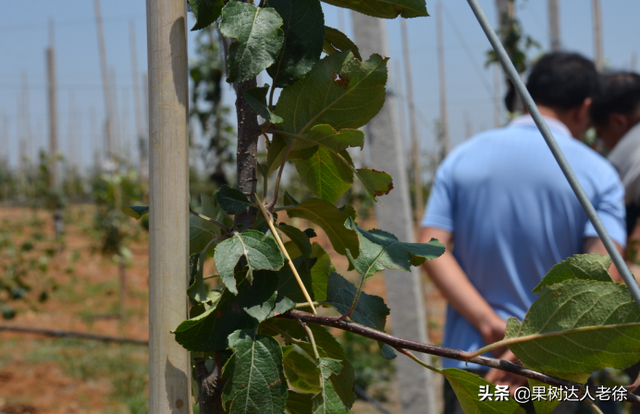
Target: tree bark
[210,387]
[247,156]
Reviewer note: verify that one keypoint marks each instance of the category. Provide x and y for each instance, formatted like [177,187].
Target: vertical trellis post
[169,364]
[404,291]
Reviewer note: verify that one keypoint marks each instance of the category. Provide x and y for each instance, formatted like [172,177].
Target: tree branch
[210,387]
[456,354]
[247,155]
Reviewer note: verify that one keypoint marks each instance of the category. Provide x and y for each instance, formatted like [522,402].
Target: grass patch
[125,366]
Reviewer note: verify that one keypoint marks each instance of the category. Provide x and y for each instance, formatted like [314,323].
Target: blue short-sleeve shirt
[513,215]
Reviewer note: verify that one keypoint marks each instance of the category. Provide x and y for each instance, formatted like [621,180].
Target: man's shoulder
[628,149]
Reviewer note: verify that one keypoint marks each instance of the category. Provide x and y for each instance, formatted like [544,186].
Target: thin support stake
[628,278]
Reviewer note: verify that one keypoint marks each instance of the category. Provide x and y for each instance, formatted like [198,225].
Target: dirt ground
[46,375]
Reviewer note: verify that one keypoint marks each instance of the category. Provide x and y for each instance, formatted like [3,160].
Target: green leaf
[253,304]
[379,249]
[331,220]
[320,272]
[288,285]
[201,232]
[328,172]
[546,405]
[335,42]
[327,401]
[388,9]
[370,310]
[299,403]
[386,351]
[328,347]
[136,211]
[299,238]
[577,327]
[377,183]
[259,39]
[260,250]
[467,385]
[257,98]
[197,291]
[302,373]
[580,266]
[331,139]
[7,312]
[303,39]
[339,91]
[255,378]
[278,149]
[206,12]
[232,200]
[325,174]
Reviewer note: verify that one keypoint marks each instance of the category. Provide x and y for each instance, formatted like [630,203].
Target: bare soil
[46,375]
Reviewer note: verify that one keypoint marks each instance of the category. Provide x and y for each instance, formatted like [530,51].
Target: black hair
[562,80]
[620,94]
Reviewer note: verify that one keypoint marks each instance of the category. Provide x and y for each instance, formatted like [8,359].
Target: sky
[25,36]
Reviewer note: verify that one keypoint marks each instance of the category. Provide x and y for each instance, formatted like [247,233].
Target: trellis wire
[557,152]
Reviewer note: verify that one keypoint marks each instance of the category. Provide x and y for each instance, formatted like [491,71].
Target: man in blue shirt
[506,213]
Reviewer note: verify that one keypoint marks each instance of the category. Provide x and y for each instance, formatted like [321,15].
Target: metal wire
[557,152]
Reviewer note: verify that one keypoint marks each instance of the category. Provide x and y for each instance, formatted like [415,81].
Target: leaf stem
[272,204]
[283,208]
[312,339]
[507,342]
[265,181]
[592,405]
[354,304]
[267,217]
[306,305]
[418,360]
[211,277]
[209,219]
[273,89]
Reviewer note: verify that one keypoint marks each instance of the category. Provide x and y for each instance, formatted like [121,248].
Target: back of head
[620,94]
[562,81]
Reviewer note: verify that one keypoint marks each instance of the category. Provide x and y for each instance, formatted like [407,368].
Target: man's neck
[568,118]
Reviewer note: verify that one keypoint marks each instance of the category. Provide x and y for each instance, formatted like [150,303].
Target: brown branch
[72,334]
[247,155]
[456,354]
[210,387]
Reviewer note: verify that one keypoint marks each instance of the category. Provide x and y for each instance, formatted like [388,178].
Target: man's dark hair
[620,94]
[563,81]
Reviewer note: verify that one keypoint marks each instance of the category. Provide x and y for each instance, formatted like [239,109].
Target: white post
[415,143]
[169,363]
[444,118]
[597,35]
[105,79]
[554,26]
[404,290]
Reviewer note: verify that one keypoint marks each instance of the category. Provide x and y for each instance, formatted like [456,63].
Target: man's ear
[619,123]
[583,111]
[579,119]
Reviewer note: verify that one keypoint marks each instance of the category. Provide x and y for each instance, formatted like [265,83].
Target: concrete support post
[404,290]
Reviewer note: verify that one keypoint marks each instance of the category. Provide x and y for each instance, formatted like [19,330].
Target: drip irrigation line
[616,257]
[72,334]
